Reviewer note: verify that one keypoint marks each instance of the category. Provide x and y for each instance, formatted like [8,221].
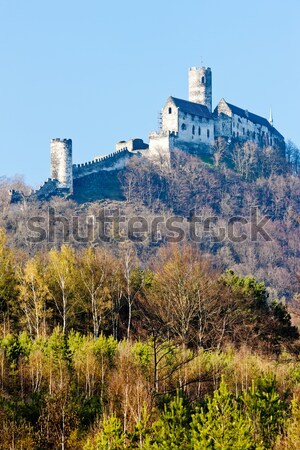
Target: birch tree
[95,275]
[33,295]
[62,282]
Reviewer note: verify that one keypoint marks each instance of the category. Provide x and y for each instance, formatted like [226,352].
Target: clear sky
[100,71]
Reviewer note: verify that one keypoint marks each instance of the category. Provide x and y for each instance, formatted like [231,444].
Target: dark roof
[253,117]
[192,108]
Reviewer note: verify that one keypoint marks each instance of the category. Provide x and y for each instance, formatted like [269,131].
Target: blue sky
[99,72]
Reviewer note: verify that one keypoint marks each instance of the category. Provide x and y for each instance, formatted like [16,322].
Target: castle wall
[195,129]
[160,145]
[61,162]
[47,189]
[98,185]
[114,161]
[223,126]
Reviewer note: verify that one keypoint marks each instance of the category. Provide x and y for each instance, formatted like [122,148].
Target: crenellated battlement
[102,158]
[112,161]
[48,182]
[200,68]
[47,189]
[61,140]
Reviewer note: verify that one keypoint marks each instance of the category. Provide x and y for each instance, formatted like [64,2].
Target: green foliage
[87,378]
[190,327]
[57,345]
[75,341]
[171,431]
[283,319]
[109,437]
[16,346]
[266,409]
[269,320]
[25,344]
[291,437]
[106,346]
[248,286]
[89,409]
[136,278]
[143,354]
[221,425]
[11,346]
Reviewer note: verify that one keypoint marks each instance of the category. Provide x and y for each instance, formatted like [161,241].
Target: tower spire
[271,117]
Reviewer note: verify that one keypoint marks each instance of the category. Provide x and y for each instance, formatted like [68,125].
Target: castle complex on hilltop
[190,126]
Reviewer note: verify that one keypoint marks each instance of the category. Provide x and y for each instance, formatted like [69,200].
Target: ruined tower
[200,86]
[61,162]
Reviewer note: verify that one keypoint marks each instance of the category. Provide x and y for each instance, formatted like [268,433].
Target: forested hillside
[97,352]
[220,188]
[154,339]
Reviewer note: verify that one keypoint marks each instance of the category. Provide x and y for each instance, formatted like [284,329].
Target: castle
[192,125]
[189,125]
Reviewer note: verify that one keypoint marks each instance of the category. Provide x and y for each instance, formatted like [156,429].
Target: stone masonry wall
[114,161]
[46,190]
[195,129]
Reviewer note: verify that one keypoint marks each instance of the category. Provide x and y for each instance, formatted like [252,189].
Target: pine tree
[266,410]
[291,440]
[171,430]
[110,436]
[221,425]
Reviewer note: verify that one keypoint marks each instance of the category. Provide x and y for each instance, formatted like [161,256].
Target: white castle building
[193,126]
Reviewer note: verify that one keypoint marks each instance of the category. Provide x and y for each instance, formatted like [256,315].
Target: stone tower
[200,86]
[61,162]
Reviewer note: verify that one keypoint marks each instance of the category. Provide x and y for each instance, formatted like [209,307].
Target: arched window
[208,133]
[183,126]
[203,80]
[199,131]
[193,129]
[170,110]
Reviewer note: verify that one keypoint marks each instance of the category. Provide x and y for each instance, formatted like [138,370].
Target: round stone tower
[61,162]
[200,86]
